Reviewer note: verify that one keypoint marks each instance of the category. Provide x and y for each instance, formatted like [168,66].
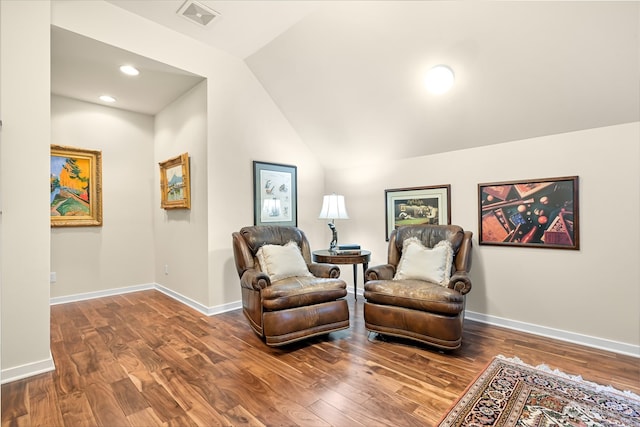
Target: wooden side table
[334,258]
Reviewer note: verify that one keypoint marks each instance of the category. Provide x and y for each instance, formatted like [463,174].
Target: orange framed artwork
[76,187]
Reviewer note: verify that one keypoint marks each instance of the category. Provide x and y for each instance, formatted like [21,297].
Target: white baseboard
[99,294]
[223,308]
[209,311]
[39,367]
[586,340]
[35,368]
[27,370]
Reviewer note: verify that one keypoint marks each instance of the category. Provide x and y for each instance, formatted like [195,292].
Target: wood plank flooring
[144,359]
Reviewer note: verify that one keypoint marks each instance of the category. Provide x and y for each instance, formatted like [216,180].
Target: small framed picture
[537,213]
[175,183]
[76,187]
[417,205]
[274,194]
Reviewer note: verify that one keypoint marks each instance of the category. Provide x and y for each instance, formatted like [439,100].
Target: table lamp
[333,208]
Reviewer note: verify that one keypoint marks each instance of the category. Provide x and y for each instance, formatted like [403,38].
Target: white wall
[246,125]
[243,124]
[120,252]
[591,293]
[25,106]
[181,234]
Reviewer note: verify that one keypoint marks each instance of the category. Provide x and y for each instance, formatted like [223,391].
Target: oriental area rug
[510,393]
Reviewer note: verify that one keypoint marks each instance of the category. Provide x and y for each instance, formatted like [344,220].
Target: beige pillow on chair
[422,263]
[282,261]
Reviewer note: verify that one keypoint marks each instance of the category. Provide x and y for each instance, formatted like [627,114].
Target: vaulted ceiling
[348,75]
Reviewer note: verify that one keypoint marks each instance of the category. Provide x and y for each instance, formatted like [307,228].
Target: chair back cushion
[421,263]
[282,261]
[428,235]
[249,240]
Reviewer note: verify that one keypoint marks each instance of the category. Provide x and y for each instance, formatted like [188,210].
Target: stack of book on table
[350,249]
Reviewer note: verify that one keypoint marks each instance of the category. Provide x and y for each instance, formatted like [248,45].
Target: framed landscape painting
[539,213]
[175,183]
[417,205]
[76,187]
[274,194]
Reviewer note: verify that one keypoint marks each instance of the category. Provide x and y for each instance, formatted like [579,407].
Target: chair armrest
[460,282]
[329,271]
[380,272]
[254,280]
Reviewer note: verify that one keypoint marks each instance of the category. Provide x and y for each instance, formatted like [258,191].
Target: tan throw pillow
[280,262]
[422,263]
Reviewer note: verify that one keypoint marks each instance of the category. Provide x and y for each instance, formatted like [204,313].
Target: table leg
[355,281]
[365,266]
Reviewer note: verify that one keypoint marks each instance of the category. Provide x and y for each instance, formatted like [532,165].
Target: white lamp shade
[333,207]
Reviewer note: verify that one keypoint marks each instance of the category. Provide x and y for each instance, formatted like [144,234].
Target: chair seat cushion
[414,294]
[301,291]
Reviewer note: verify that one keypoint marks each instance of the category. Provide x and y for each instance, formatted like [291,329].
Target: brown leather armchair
[420,310]
[292,308]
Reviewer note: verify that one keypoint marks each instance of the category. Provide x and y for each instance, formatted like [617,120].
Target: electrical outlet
[166,269]
[52,277]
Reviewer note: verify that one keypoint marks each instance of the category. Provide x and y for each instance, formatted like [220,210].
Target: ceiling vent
[197,12]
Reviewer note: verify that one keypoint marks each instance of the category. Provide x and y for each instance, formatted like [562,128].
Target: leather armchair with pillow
[285,296]
[420,293]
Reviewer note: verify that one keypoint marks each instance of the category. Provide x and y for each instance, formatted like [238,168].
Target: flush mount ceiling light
[107,98]
[197,12]
[439,79]
[129,70]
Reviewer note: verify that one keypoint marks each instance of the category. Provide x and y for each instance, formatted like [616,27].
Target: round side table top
[324,255]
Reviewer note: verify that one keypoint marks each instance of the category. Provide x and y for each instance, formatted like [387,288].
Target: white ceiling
[85,69]
[348,74]
[243,26]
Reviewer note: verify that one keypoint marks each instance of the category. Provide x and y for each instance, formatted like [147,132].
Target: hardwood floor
[143,359]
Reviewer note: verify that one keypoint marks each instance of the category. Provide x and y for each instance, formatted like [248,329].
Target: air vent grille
[197,12]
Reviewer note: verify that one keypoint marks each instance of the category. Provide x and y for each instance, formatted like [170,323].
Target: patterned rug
[510,393]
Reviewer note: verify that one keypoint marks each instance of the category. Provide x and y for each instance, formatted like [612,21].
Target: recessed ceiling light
[107,98]
[439,79]
[129,70]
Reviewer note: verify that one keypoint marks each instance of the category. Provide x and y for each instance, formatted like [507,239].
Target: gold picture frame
[76,187]
[175,183]
[417,205]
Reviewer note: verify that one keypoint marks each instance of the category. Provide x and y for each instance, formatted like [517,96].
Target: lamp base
[333,245]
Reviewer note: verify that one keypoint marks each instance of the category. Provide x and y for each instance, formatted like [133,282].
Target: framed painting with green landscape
[76,187]
[175,185]
[417,205]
